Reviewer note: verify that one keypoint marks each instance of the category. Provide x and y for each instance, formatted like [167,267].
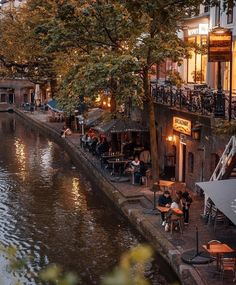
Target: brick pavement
[207,273]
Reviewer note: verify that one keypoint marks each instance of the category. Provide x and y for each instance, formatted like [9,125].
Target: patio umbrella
[37,92]
[126,125]
[223,194]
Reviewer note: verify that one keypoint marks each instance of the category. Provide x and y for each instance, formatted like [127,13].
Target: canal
[51,213]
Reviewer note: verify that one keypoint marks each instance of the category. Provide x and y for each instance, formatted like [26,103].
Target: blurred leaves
[130,270]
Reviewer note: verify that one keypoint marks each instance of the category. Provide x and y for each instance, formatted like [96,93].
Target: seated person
[66,132]
[164,200]
[173,215]
[145,156]
[103,147]
[135,169]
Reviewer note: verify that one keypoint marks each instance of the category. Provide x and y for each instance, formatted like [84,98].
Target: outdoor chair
[228,264]
[207,212]
[213,241]
[176,221]
[217,217]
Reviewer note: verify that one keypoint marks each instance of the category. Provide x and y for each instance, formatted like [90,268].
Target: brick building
[188,147]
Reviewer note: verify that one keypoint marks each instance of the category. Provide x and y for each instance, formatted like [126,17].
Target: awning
[126,125]
[93,116]
[105,127]
[52,104]
[223,194]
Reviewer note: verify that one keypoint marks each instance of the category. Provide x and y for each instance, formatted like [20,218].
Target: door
[11,98]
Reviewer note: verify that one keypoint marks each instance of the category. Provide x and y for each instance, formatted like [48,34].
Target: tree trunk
[113,103]
[152,128]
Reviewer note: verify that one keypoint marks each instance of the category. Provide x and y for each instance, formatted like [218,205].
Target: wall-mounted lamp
[196,132]
[170,138]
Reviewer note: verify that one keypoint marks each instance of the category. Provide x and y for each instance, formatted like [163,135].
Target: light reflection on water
[51,213]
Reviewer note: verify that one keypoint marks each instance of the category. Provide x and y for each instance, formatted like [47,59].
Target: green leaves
[131,268]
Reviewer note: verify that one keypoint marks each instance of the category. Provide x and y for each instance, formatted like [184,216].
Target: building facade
[197,69]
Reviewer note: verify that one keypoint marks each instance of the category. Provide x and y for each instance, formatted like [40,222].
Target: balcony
[200,101]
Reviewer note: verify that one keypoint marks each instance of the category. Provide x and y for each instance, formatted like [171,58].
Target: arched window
[190,162]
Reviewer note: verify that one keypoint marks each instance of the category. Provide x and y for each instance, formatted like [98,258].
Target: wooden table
[166,209]
[165,184]
[218,250]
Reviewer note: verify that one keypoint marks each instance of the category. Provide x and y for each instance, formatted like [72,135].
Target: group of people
[97,145]
[138,169]
[182,201]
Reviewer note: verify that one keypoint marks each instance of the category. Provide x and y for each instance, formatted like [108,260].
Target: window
[217,15]
[230,12]
[190,162]
[207,6]
[197,63]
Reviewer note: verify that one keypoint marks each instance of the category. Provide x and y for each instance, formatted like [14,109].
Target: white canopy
[223,194]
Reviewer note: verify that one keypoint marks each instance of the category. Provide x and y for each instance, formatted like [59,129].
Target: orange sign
[181,125]
[220,45]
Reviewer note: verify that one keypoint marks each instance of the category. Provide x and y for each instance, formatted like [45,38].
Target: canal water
[51,213]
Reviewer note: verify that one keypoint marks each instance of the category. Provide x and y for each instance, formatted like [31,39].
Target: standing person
[179,194]
[164,200]
[186,201]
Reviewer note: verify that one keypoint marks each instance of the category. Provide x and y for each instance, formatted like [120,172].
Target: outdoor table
[118,162]
[166,209]
[106,156]
[218,250]
[165,184]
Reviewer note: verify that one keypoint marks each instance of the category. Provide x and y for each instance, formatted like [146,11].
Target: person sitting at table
[171,214]
[145,156]
[135,169]
[103,146]
[164,200]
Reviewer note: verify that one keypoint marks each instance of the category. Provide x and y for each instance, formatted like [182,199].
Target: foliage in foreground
[130,270]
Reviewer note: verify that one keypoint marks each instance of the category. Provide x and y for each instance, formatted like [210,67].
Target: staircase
[226,167]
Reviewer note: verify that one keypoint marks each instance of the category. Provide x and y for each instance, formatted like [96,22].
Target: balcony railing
[201,101]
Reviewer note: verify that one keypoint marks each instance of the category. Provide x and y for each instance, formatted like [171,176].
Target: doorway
[182,162]
[11,98]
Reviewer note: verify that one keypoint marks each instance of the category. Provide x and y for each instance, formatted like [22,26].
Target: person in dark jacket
[164,201]
[186,201]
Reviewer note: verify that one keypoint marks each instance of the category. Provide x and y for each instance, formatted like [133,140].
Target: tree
[113,45]
[106,45]
[21,51]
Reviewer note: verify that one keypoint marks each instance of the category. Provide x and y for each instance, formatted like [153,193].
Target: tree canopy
[96,45]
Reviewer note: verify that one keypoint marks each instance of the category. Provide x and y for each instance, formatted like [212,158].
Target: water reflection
[50,212]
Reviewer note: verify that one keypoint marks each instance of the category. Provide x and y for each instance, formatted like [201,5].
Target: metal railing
[225,159]
[202,101]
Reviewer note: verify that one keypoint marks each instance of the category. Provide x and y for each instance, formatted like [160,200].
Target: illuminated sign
[201,30]
[181,125]
[220,45]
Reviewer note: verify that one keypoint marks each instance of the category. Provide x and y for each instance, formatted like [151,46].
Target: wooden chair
[176,220]
[228,264]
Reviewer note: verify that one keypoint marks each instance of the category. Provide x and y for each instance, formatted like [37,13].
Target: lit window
[230,12]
